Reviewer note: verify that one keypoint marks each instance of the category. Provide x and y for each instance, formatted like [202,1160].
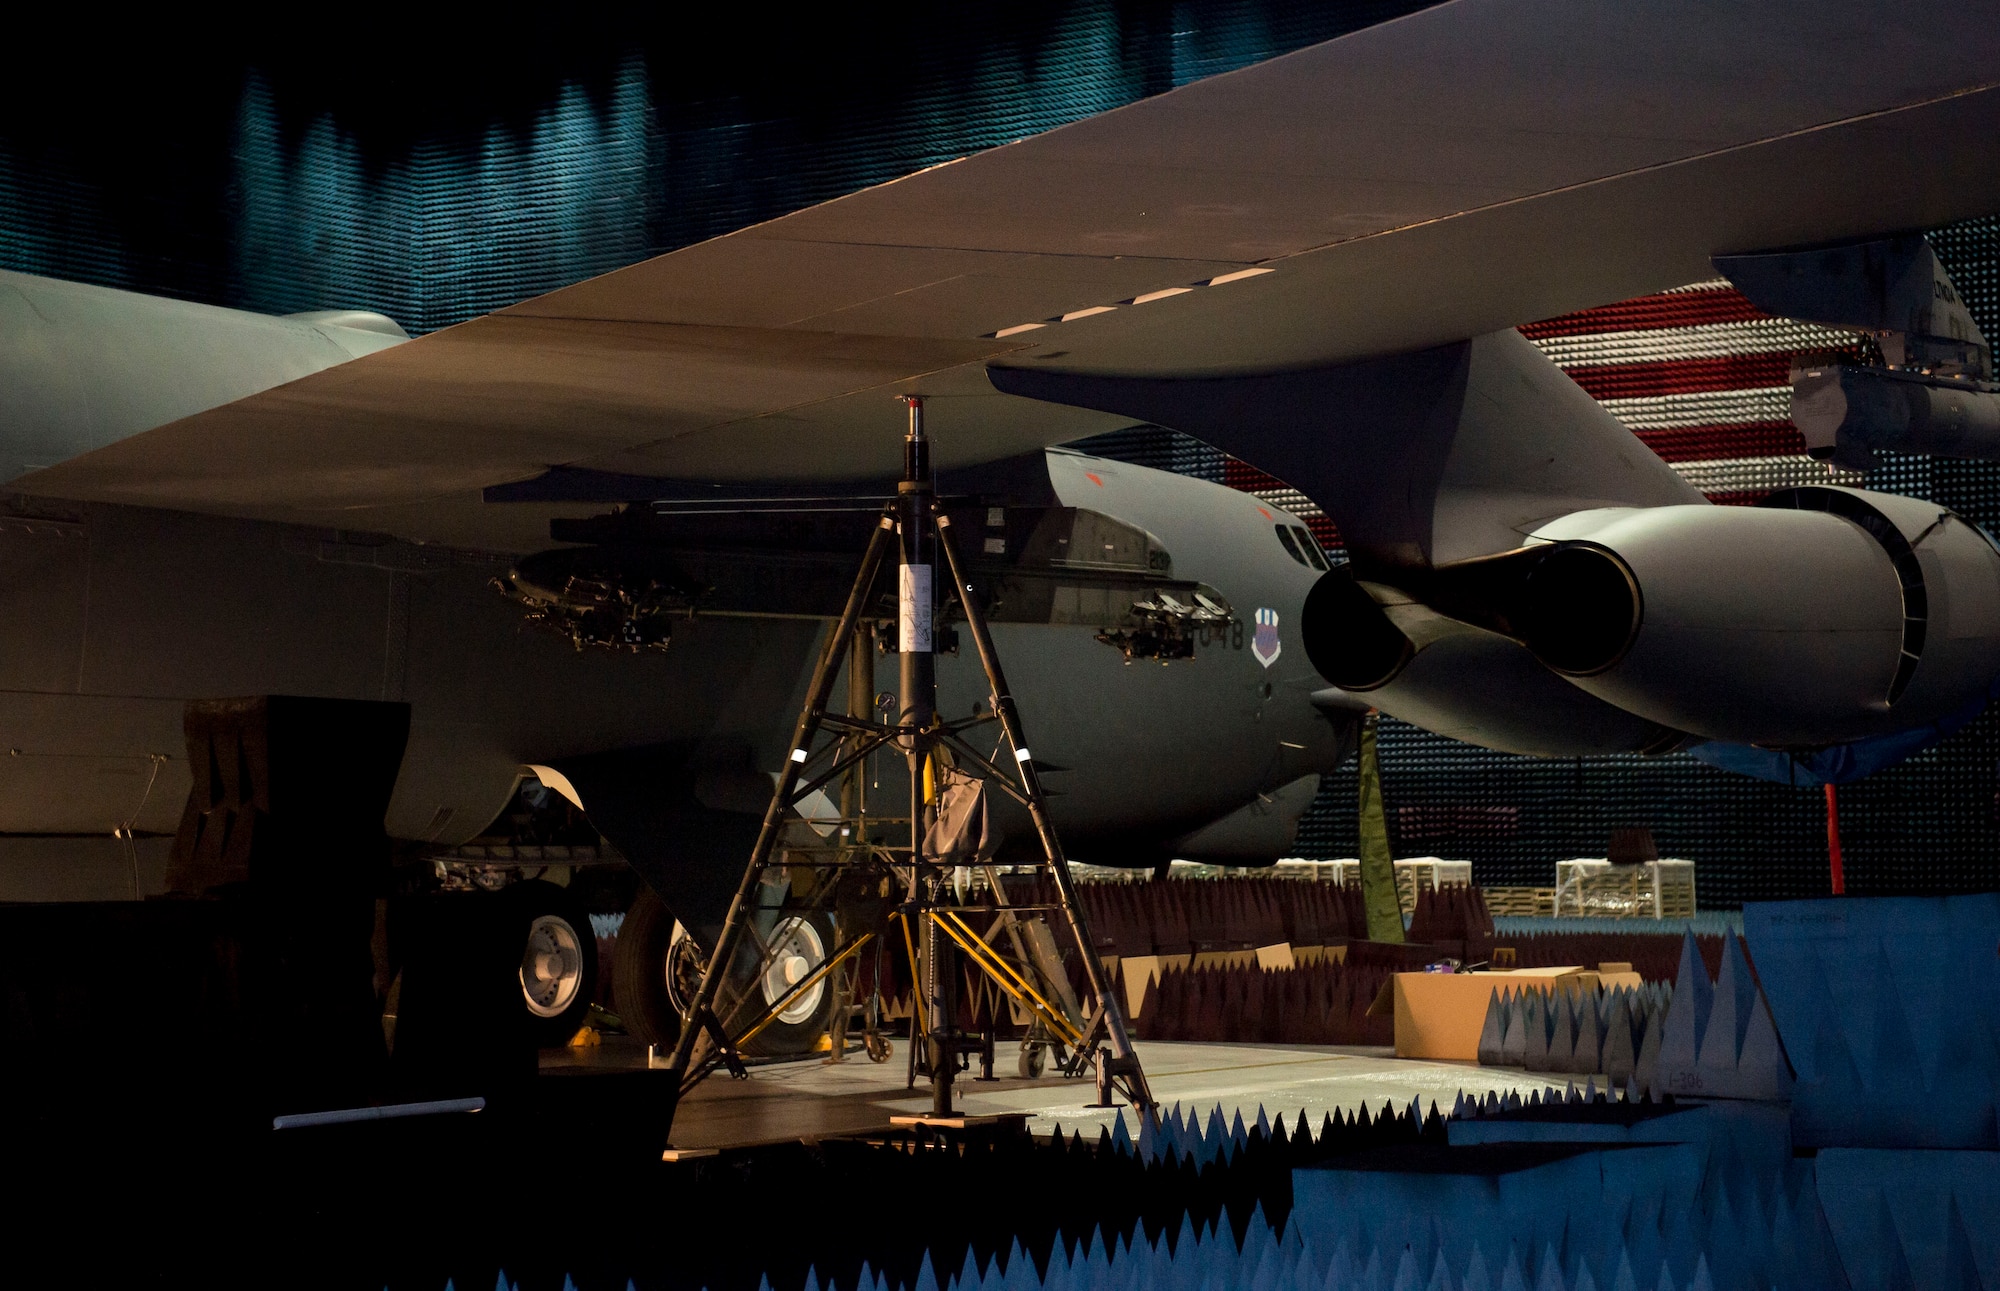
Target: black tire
[550,925]
[638,972]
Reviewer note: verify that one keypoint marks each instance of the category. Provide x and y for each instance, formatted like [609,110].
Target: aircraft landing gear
[657,967]
[558,967]
[639,972]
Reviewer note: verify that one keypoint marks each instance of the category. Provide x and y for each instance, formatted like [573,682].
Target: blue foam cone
[1562,1032]
[1549,1276]
[1961,1267]
[1440,1279]
[1535,1016]
[1895,1069]
[1586,1054]
[1892,1271]
[1514,1044]
[1493,1032]
[1371,1272]
[1646,1066]
[1407,1277]
[1762,1070]
[1686,1025]
[1476,1276]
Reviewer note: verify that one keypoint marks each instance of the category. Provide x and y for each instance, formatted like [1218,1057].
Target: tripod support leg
[1010,723]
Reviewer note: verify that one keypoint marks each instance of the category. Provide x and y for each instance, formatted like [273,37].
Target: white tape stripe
[1022,755]
[1702,341]
[1706,408]
[1755,474]
[798,755]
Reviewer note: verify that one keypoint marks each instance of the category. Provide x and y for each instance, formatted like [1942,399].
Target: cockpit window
[1299,544]
[1310,546]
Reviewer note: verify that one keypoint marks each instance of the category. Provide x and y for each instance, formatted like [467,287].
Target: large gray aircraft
[1314,263]
[650,671]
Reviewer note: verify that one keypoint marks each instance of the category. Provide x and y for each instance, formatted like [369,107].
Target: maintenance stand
[827,747]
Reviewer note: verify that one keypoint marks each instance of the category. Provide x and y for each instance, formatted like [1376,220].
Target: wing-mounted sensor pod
[1933,391]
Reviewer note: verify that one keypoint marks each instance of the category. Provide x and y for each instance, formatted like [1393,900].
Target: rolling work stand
[914,870]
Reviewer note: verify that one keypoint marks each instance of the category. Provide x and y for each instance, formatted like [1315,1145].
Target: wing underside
[1454,173]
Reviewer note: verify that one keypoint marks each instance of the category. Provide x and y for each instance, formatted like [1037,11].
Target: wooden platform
[787,1102]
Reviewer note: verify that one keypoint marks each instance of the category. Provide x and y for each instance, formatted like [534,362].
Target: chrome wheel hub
[551,966]
[796,953]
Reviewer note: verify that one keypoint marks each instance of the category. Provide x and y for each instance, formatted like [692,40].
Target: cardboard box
[1278,956]
[1143,969]
[1440,1015]
[1140,970]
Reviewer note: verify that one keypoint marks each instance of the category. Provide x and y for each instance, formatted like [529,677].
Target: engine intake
[1579,609]
[1825,615]
[1349,637]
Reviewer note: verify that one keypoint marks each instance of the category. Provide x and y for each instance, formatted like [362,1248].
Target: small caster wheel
[1033,1058]
[877,1046]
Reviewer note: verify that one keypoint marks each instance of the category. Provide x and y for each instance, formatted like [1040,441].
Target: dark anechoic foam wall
[437,178]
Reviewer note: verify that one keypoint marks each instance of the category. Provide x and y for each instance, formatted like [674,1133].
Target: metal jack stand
[921,530]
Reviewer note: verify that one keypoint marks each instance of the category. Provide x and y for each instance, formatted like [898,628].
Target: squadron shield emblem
[1264,642]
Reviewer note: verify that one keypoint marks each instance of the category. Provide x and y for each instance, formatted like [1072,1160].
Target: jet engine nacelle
[1823,616]
[1463,679]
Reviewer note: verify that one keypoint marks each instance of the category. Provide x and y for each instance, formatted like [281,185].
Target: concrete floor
[805,1099]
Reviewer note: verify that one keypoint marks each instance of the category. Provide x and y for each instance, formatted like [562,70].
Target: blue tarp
[1840,763]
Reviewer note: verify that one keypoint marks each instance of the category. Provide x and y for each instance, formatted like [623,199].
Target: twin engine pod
[1822,616]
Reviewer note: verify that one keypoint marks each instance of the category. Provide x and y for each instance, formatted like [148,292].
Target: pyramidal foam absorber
[1718,1039]
[1889,1009]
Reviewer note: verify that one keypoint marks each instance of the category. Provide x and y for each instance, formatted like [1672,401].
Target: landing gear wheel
[686,960]
[1034,1059]
[799,946]
[658,969]
[557,975]
[639,972]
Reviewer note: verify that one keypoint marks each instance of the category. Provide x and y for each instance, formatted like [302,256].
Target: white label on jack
[913,610]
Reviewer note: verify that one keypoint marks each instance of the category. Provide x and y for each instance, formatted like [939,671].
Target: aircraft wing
[1462,170]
